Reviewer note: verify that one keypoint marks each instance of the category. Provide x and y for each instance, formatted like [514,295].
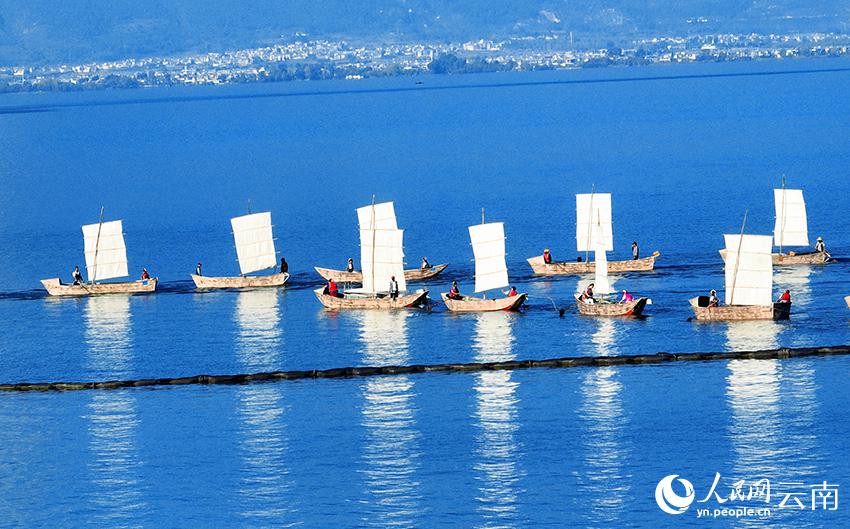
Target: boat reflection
[752,335]
[108,336]
[258,342]
[262,440]
[601,411]
[391,452]
[797,279]
[497,470]
[117,493]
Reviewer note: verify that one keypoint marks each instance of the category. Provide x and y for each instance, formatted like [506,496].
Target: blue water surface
[685,151]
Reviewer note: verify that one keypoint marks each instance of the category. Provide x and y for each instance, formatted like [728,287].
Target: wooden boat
[55,287]
[644,264]
[791,229]
[106,258]
[775,311]
[749,283]
[605,308]
[382,257]
[593,224]
[371,301]
[413,274]
[255,251]
[491,271]
[272,280]
[474,304]
[794,258]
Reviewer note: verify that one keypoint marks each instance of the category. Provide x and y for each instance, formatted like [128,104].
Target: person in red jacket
[785,297]
[145,274]
[333,290]
[547,257]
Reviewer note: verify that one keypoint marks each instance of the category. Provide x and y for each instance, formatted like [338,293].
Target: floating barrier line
[350,372]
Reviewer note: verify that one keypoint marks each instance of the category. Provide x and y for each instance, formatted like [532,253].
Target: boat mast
[738,257]
[589,224]
[96,244]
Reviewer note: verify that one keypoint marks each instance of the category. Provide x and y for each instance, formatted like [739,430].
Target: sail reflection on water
[752,391]
[114,468]
[601,412]
[497,468]
[391,453]
[262,440]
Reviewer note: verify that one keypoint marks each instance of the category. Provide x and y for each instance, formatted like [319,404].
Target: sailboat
[382,257]
[356,276]
[255,251]
[749,283]
[491,271]
[106,258]
[791,229]
[602,285]
[589,207]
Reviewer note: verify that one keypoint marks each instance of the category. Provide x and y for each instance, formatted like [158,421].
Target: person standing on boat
[713,301]
[785,297]
[454,292]
[425,264]
[350,267]
[627,297]
[145,274]
[547,257]
[587,295]
[198,269]
[77,276]
[393,288]
[284,266]
[635,251]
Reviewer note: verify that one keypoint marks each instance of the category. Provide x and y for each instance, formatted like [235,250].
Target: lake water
[683,156]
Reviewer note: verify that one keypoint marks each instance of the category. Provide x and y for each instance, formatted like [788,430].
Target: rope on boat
[349,372]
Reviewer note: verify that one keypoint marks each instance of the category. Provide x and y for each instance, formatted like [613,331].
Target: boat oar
[554,306]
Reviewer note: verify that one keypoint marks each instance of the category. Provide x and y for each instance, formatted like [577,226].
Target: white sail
[601,283]
[254,242]
[381,258]
[791,227]
[593,222]
[383,215]
[749,270]
[106,254]
[488,245]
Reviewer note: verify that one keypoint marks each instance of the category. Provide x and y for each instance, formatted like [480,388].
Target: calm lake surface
[684,150]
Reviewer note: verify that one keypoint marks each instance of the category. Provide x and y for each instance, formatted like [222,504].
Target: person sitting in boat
[145,274]
[332,290]
[77,276]
[820,247]
[635,251]
[393,288]
[454,292]
[284,266]
[198,269]
[587,295]
[785,297]
[350,267]
[627,297]
[712,299]
[512,292]
[547,257]
[425,264]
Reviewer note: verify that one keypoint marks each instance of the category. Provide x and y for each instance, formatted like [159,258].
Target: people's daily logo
[669,500]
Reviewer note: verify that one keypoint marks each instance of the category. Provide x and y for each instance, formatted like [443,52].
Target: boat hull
[784,259]
[55,287]
[646,264]
[631,308]
[776,311]
[414,274]
[472,304]
[273,280]
[371,302]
